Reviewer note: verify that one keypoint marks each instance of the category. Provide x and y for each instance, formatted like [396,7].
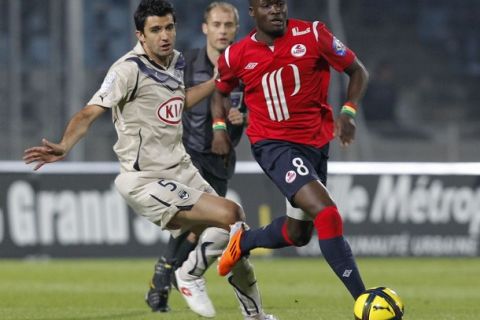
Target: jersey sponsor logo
[290,176]
[274,92]
[251,66]
[298,50]
[338,47]
[170,111]
[296,31]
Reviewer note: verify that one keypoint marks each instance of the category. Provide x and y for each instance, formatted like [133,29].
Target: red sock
[328,223]
[285,234]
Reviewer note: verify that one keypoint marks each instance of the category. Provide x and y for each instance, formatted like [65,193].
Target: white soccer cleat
[262,316]
[195,294]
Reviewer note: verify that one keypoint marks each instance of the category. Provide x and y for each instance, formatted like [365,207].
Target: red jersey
[286,85]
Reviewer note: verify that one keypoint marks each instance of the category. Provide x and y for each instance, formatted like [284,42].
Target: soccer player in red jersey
[284,65]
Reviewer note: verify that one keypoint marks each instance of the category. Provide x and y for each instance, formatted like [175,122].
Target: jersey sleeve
[118,84]
[226,81]
[333,50]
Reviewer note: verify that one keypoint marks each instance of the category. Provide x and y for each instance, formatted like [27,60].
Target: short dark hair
[148,8]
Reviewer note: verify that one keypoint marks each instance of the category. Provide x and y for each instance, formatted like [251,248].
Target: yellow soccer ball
[378,304]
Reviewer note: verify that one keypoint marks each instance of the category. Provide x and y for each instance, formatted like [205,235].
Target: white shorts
[159,196]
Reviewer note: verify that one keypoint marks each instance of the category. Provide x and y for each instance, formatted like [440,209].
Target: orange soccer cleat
[232,252]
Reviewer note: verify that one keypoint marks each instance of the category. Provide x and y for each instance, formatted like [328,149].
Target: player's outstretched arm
[345,124]
[199,92]
[77,127]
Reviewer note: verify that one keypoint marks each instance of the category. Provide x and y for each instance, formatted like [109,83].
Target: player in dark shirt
[198,122]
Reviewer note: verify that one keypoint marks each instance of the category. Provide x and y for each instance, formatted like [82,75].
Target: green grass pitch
[306,289]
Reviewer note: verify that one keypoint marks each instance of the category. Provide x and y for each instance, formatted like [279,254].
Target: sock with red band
[271,236]
[336,250]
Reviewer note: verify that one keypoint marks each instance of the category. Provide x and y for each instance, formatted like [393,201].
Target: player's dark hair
[147,8]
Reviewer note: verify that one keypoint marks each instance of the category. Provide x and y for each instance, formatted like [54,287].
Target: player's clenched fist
[235,117]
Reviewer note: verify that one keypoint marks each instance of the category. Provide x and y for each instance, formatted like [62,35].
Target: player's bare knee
[192,237]
[313,198]
[315,207]
[195,233]
[231,213]
[300,238]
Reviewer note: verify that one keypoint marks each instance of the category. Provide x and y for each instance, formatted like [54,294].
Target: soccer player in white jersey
[144,89]
[220,26]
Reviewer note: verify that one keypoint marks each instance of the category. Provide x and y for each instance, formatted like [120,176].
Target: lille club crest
[298,50]
[290,176]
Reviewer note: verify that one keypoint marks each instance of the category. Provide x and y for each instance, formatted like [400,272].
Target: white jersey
[157,178]
[147,102]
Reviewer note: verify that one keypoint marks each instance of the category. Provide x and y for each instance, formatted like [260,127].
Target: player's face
[270,16]
[220,28]
[158,37]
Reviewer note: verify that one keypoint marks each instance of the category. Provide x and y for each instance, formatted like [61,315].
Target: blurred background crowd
[423,57]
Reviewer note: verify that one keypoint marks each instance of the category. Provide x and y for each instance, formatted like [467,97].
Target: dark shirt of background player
[197,125]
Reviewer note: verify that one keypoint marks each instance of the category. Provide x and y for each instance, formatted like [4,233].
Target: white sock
[242,279]
[211,245]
